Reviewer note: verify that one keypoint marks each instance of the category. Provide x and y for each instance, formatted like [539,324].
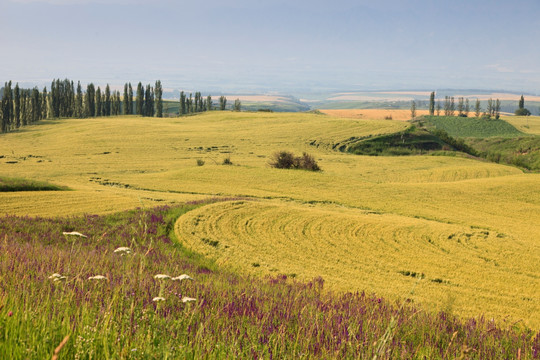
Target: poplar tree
[477,108]
[497,109]
[438,107]
[222,102]
[17,105]
[24,113]
[158,91]
[7,107]
[98,102]
[36,109]
[79,101]
[182,110]
[490,107]
[208,103]
[452,106]
[90,100]
[149,101]
[130,102]
[413,109]
[107,103]
[432,103]
[140,100]
[237,105]
[461,106]
[467,107]
[44,99]
[125,101]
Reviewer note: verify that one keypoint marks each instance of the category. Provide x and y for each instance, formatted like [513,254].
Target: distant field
[378,114]
[386,209]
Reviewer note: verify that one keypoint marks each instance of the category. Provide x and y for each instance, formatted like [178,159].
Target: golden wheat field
[526,124]
[375,114]
[469,229]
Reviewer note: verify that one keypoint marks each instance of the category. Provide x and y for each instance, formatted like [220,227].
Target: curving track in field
[470,270]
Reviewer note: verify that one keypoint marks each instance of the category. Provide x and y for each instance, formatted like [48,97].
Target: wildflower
[162,277]
[97,277]
[182,277]
[57,277]
[123,250]
[74,233]
[186,299]
[158,298]
[10,313]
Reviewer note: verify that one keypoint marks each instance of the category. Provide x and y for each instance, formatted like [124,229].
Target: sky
[275,46]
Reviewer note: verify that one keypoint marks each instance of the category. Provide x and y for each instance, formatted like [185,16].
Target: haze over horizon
[274,46]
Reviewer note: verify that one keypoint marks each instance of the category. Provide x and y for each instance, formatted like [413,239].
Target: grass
[519,151]
[18,184]
[413,141]
[233,315]
[472,127]
[114,164]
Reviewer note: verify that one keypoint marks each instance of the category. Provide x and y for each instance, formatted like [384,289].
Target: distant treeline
[462,107]
[20,107]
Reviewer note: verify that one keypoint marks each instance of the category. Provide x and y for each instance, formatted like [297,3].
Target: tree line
[20,107]
[196,104]
[462,108]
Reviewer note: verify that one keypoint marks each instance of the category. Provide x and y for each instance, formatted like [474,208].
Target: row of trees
[190,105]
[20,107]
[462,108]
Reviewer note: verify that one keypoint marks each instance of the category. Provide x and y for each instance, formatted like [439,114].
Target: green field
[363,223]
[472,127]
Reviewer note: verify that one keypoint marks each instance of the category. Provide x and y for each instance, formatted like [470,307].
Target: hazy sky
[274,45]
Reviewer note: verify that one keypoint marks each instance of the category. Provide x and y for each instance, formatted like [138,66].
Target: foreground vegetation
[17,184]
[108,303]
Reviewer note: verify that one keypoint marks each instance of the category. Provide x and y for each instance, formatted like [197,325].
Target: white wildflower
[97,277]
[123,250]
[161,277]
[74,233]
[57,277]
[158,298]
[186,299]
[182,277]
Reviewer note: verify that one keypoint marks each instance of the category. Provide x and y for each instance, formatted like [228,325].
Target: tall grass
[233,316]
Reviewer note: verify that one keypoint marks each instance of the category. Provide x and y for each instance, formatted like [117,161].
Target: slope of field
[361,250]
[526,124]
[125,162]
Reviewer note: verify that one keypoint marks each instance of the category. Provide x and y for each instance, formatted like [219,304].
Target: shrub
[282,160]
[227,161]
[287,160]
[522,112]
[200,162]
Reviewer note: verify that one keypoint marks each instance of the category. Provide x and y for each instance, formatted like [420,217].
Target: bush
[287,160]
[522,112]
[227,161]
[200,162]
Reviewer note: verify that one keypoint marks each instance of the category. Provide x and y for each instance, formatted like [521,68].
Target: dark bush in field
[287,160]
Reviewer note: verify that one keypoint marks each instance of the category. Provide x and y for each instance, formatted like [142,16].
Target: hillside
[384,207]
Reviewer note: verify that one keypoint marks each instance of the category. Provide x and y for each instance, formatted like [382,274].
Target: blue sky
[281,46]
